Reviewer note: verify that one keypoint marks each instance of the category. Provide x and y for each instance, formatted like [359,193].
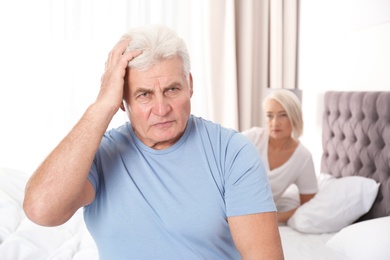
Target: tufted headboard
[356,141]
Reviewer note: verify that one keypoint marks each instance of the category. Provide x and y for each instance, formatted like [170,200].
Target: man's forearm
[54,191]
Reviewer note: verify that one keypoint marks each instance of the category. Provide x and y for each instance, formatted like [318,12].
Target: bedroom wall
[52,56]
[343,45]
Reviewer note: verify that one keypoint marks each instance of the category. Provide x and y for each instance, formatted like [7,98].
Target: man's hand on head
[112,81]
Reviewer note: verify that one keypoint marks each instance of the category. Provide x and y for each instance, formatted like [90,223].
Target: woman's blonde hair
[291,104]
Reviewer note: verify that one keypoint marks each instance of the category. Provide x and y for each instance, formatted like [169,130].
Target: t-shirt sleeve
[106,150]
[93,174]
[247,189]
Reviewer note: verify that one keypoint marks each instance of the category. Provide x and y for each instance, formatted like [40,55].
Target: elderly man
[166,184]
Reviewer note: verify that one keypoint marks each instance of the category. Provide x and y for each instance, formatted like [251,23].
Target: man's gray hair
[157,42]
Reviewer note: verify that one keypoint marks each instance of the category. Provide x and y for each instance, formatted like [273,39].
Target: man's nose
[162,106]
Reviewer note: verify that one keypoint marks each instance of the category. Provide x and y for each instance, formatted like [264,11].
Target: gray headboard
[356,141]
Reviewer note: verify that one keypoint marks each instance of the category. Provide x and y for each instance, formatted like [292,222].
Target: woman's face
[278,123]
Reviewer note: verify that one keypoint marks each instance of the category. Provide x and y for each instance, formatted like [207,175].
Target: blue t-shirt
[174,203]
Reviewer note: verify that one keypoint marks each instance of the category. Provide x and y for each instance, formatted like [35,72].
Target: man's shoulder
[118,130]
[206,123]
[117,136]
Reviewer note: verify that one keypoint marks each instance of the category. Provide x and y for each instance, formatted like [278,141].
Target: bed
[22,239]
[349,218]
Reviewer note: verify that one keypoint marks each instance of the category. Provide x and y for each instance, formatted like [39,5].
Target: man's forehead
[153,80]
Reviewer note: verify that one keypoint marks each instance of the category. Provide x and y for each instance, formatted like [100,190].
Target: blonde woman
[286,160]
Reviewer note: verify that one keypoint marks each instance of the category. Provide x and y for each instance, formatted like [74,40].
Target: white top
[298,169]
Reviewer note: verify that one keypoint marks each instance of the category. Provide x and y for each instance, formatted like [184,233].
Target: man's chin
[166,140]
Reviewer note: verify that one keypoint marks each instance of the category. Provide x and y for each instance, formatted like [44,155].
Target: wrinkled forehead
[163,73]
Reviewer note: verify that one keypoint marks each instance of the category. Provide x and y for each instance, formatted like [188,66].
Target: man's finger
[132,54]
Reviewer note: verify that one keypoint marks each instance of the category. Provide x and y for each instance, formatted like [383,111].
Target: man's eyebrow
[150,90]
[173,84]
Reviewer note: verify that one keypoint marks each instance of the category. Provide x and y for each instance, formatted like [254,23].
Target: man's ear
[125,91]
[122,106]
[191,85]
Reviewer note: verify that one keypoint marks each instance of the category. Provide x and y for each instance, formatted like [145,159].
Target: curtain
[53,54]
[52,58]
[89,29]
[252,47]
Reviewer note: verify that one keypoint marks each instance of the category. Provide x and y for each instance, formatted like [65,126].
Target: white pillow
[289,199]
[12,184]
[338,204]
[364,240]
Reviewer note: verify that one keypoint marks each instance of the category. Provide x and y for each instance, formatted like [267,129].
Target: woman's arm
[283,217]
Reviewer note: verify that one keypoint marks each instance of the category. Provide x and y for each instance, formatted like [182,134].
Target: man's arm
[256,236]
[60,186]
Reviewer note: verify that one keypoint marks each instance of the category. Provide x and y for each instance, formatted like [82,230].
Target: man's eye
[171,91]
[144,94]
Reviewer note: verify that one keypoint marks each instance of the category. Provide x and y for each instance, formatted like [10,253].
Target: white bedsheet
[32,242]
[20,239]
[300,246]
[73,241]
